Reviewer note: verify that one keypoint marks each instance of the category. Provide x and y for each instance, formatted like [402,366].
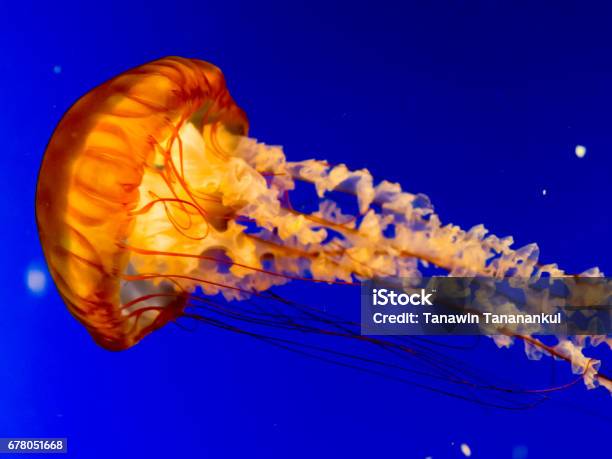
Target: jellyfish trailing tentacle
[152,199]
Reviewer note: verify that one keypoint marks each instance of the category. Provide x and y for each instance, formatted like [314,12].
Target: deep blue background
[478,105]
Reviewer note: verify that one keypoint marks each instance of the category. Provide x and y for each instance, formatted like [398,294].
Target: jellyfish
[152,200]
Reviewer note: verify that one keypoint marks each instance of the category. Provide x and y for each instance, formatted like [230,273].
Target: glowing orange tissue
[151,196]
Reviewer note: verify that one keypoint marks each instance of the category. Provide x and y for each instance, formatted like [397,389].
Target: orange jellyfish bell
[88,185]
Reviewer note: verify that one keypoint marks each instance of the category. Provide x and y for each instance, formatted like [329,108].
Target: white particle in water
[580,151]
[36,281]
[465,449]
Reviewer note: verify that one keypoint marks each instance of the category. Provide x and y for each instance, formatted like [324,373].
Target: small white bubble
[36,281]
[465,449]
[580,151]
[57,69]
[544,192]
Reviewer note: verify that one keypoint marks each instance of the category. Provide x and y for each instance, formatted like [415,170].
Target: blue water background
[477,104]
